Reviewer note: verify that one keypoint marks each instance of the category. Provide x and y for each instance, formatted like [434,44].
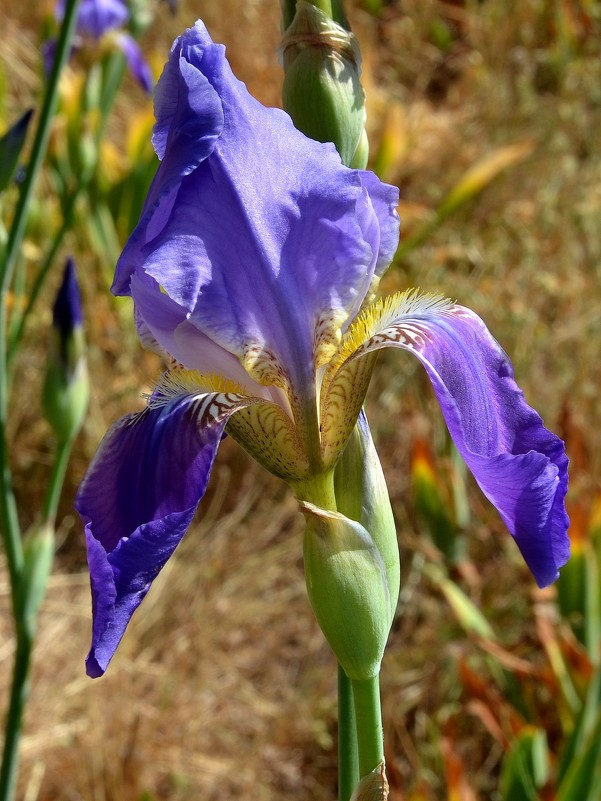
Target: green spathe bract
[322,91]
[362,495]
[348,589]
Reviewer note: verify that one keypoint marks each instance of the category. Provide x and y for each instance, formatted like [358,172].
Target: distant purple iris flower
[253,265]
[95,19]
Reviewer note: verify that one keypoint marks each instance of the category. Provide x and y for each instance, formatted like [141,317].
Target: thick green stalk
[318,490]
[370,735]
[348,758]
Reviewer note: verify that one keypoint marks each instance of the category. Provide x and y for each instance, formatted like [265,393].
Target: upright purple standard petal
[520,465]
[137,500]
[189,119]
[310,234]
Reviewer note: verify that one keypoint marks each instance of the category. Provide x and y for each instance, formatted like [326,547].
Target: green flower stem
[318,490]
[55,485]
[9,519]
[14,718]
[40,144]
[289,9]
[370,735]
[348,759]
[18,327]
[113,76]
[24,627]
[112,80]
[288,12]
[323,5]
[8,510]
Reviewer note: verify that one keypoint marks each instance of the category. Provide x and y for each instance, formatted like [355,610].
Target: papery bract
[253,266]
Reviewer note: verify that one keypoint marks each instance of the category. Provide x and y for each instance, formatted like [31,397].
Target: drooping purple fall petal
[519,464]
[137,63]
[137,501]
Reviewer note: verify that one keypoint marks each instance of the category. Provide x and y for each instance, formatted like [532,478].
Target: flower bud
[322,91]
[66,387]
[38,556]
[348,589]
[362,495]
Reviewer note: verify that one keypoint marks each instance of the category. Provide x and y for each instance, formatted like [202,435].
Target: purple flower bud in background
[66,386]
[137,64]
[66,312]
[97,17]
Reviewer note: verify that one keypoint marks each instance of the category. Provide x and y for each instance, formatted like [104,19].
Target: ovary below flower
[252,266]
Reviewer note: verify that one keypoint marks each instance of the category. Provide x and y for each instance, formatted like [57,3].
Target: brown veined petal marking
[267,433]
[342,397]
[383,323]
[217,397]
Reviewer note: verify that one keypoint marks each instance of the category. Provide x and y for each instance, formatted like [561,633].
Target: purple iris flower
[95,19]
[253,266]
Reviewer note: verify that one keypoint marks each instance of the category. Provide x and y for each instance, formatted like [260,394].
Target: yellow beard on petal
[347,376]
[179,382]
[384,313]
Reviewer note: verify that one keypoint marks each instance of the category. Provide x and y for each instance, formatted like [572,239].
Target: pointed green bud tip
[348,589]
[322,90]
[66,385]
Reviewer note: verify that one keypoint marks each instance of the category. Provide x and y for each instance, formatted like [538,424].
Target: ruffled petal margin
[137,500]
[310,234]
[519,464]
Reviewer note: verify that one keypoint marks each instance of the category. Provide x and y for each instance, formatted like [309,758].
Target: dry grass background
[223,686]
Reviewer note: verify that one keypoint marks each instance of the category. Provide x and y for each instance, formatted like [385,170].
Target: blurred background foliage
[488,117]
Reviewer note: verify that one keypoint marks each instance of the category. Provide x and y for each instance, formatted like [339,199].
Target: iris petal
[161,317]
[137,500]
[189,119]
[97,17]
[310,234]
[137,63]
[519,464]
